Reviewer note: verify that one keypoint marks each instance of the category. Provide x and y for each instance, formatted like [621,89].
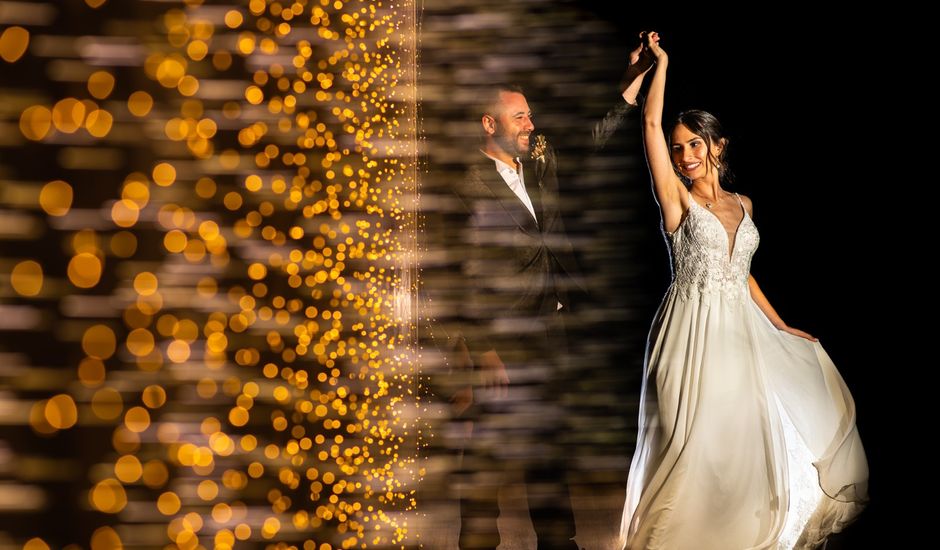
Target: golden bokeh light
[150,305]
[221,513]
[98,123]
[207,490]
[253,182]
[68,115]
[217,342]
[61,412]
[100,84]
[125,213]
[136,191]
[13,43]
[246,43]
[230,159]
[197,50]
[207,287]
[238,416]
[26,278]
[140,342]
[209,230]
[254,95]
[35,122]
[232,200]
[128,469]
[56,198]
[123,244]
[164,174]
[151,362]
[35,544]
[108,496]
[222,60]
[99,342]
[205,188]
[186,330]
[153,396]
[125,441]
[188,85]
[137,419]
[91,372]
[168,503]
[242,531]
[270,527]
[84,270]
[195,251]
[171,71]
[178,351]
[37,419]
[145,283]
[206,388]
[140,103]
[175,241]
[233,19]
[107,404]
[85,242]
[166,324]
[155,474]
[193,522]
[257,271]
[206,128]
[106,538]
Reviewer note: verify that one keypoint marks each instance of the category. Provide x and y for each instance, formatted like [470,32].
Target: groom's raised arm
[625,113]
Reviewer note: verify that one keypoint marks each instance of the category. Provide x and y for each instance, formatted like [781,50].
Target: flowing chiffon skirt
[747,434]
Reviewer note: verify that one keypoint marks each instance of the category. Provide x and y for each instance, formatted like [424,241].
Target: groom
[517,276]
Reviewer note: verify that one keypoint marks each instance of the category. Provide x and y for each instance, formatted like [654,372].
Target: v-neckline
[733,241]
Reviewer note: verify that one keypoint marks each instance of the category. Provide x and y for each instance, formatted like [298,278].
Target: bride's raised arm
[666,184]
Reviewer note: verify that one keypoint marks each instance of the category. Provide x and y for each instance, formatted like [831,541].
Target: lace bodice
[701,261]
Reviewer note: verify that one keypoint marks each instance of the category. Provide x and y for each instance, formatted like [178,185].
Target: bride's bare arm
[666,184]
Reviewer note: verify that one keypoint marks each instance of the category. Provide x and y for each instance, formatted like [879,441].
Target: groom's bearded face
[513,123]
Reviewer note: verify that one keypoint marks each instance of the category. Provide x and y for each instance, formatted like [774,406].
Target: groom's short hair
[490,96]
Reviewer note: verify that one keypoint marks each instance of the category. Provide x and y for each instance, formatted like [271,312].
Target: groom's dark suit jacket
[515,270]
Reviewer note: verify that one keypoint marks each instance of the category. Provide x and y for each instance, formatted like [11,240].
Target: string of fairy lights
[235,268]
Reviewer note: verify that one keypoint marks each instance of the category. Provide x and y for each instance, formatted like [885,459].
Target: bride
[747,434]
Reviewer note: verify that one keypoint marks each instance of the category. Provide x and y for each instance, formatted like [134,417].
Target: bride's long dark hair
[705,124]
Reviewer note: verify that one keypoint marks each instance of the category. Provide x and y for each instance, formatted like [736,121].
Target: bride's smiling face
[692,155]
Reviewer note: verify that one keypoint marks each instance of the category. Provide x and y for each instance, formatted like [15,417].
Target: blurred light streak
[26,13]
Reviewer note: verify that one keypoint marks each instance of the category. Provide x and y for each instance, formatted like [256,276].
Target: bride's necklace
[710,204]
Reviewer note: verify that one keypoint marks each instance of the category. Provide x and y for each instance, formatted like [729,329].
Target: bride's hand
[652,43]
[800,333]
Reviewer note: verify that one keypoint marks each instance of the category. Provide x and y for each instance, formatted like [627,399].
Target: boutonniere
[538,155]
[539,149]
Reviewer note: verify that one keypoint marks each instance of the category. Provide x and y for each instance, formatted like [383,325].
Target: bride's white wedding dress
[747,433]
